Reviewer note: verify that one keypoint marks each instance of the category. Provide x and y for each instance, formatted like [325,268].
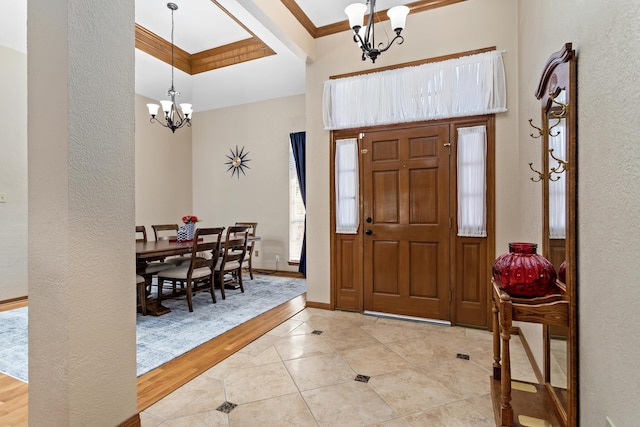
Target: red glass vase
[562,272]
[522,272]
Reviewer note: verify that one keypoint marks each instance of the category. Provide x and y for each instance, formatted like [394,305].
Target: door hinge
[450,295]
[450,223]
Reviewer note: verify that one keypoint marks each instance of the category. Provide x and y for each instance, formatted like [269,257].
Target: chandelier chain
[172,26]
[174,118]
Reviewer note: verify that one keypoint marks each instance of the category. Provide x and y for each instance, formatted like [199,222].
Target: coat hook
[540,177]
[562,166]
[535,127]
[563,107]
[551,178]
[558,115]
[551,133]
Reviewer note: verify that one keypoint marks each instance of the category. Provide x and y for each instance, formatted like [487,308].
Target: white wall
[13,175]
[262,195]
[163,174]
[82,297]
[606,37]
[163,171]
[461,27]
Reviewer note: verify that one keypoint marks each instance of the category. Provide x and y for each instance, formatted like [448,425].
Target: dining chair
[199,273]
[160,229]
[247,262]
[147,270]
[233,253]
[168,232]
[155,264]
[143,231]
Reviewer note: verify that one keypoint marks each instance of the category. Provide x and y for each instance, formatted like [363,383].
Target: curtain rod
[415,63]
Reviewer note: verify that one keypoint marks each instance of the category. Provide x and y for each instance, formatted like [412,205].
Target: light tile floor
[303,373]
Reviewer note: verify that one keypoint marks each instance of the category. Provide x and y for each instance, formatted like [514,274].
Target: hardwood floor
[12,304]
[158,383]
[14,398]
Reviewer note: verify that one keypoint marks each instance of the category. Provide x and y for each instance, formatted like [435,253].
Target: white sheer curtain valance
[466,86]
[347,186]
[472,182]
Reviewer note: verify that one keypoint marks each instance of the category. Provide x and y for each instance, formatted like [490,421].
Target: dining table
[158,249]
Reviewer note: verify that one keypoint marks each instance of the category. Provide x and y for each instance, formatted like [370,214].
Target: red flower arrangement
[188,219]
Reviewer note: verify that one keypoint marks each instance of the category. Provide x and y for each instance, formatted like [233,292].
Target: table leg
[506,411]
[156,309]
[496,343]
[142,296]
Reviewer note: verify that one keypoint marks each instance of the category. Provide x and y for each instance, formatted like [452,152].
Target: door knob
[368,219]
[368,232]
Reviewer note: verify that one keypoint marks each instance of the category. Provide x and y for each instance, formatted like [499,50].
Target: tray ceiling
[224,55]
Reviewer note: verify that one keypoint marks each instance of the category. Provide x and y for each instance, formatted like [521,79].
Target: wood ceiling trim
[158,47]
[421,6]
[233,53]
[230,15]
[315,32]
[299,14]
[251,48]
[223,56]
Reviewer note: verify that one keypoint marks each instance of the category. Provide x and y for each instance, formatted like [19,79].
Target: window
[296,212]
[347,192]
[472,187]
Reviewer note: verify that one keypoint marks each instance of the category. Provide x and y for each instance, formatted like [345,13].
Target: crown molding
[315,32]
[233,53]
[223,56]
[251,48]
[159,48]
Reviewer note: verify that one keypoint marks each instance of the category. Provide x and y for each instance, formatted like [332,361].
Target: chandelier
[173,118]
[367,41]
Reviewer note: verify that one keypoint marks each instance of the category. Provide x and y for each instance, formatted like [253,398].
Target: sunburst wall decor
[237,162]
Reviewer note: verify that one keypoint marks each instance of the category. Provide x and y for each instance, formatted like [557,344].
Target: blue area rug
[161,339]
[13,343]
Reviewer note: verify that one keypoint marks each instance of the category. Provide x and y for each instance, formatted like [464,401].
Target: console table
[528,400]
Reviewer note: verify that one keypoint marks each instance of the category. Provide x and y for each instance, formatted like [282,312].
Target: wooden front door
[406,218]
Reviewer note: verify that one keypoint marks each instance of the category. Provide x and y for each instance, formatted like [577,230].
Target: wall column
[82,342]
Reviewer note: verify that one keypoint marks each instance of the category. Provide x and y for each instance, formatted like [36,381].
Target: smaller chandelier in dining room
[173,118]
[367,40]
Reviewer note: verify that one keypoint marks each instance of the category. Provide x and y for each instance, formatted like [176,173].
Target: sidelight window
[347,192]
[472,182]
